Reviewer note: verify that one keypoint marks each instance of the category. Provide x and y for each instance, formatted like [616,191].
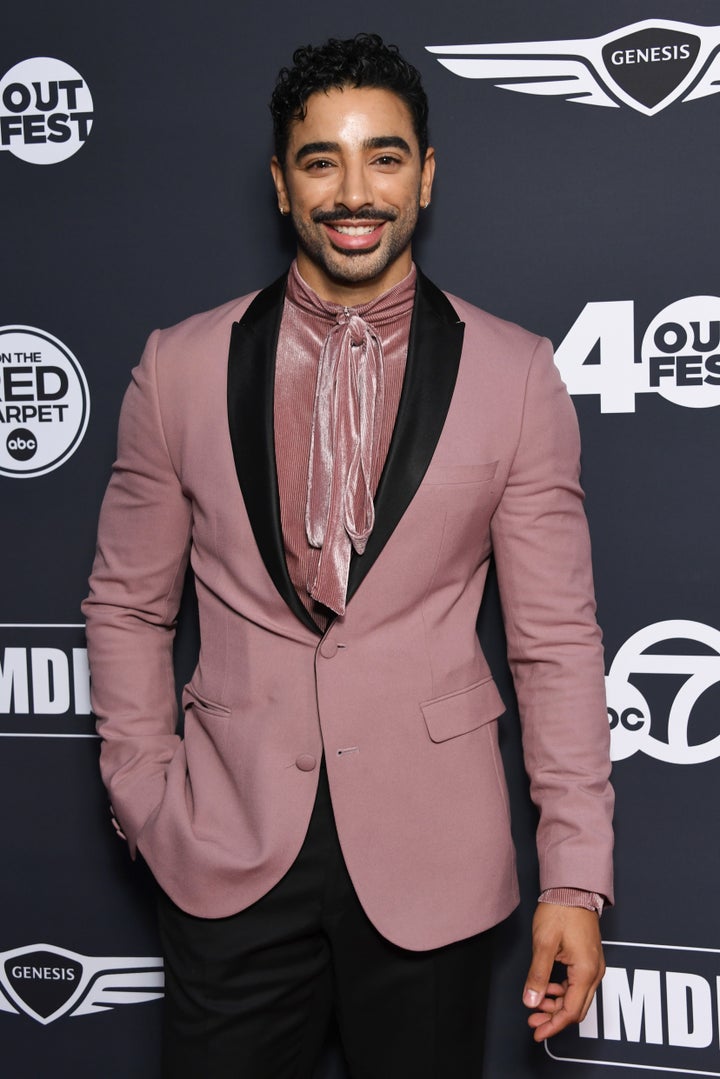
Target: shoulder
[481,325]
[501,357]
[187,362]
[206,326]
[482,331]
[199,345]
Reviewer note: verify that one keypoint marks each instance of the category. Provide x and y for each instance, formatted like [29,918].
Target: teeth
[355,230]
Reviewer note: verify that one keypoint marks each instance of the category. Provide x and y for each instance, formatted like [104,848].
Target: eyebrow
[380,142]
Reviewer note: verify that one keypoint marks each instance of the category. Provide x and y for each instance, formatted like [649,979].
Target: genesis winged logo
[47,983]
[646,66]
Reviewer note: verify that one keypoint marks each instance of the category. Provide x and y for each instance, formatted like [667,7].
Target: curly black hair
[364,60]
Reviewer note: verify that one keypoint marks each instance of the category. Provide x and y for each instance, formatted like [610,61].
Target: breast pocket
[461,474]
[466,496]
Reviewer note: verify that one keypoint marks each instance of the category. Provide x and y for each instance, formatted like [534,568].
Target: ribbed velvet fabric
[307,324]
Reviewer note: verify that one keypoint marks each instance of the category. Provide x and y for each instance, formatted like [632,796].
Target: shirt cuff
[573,897]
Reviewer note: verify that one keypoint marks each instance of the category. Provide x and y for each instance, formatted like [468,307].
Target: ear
[427,176]
[280,187]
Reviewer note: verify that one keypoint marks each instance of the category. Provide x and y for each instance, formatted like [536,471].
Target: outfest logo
[46,983]
[646,66]
[46,110]
[678,358]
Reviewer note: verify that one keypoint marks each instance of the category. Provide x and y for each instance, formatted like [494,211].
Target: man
[340,456]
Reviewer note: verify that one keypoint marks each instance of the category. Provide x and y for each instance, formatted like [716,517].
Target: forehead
[352,115]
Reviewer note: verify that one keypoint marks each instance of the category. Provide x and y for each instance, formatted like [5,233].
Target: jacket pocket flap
[190,696]
[462,711]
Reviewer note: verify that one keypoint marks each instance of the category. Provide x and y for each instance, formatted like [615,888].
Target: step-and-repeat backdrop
[577,194]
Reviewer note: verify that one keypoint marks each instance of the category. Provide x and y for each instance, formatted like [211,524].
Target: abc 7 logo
[629,712]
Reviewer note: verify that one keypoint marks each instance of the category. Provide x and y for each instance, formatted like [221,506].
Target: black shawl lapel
[436,336]
[251,382]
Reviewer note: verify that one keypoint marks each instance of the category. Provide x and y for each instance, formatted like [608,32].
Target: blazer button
[328,649]
[306,762]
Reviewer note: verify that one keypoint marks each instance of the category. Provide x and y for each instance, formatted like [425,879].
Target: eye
[387,161]
[319,164]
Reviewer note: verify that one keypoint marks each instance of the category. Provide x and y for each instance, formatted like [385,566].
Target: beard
[355,266]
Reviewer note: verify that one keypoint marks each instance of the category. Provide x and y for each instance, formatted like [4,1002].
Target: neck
[352,293]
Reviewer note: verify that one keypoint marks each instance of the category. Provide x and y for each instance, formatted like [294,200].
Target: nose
[354,188]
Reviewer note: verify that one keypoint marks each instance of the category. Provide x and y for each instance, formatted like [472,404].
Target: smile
[355,230]
[351,239]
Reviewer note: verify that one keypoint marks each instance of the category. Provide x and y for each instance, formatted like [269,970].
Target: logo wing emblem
[709,81]
[562,68]
[585,69]
[6,1006]
[126,986]
[46,982]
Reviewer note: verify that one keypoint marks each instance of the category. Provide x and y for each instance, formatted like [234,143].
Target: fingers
[570,935]
[116,824]
[553,999]
[547,937]
[558,1012]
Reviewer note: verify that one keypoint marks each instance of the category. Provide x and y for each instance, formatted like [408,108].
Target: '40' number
[679,357]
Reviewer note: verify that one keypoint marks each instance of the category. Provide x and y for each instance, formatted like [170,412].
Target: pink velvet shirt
[305,324]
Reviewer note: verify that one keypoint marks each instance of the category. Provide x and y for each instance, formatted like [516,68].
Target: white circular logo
[46,110]
[44,402]
[681,351]
[684,654]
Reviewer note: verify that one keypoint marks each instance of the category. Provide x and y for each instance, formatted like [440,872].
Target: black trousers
[251,996]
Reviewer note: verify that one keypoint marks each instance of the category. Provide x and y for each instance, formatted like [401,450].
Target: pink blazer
[397,693]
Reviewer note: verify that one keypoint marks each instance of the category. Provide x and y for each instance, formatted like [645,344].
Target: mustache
[342,213]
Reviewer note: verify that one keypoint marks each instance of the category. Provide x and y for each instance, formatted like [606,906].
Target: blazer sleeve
[542,554]
[135,588]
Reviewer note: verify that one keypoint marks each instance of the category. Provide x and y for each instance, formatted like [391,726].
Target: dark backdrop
[541,207]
